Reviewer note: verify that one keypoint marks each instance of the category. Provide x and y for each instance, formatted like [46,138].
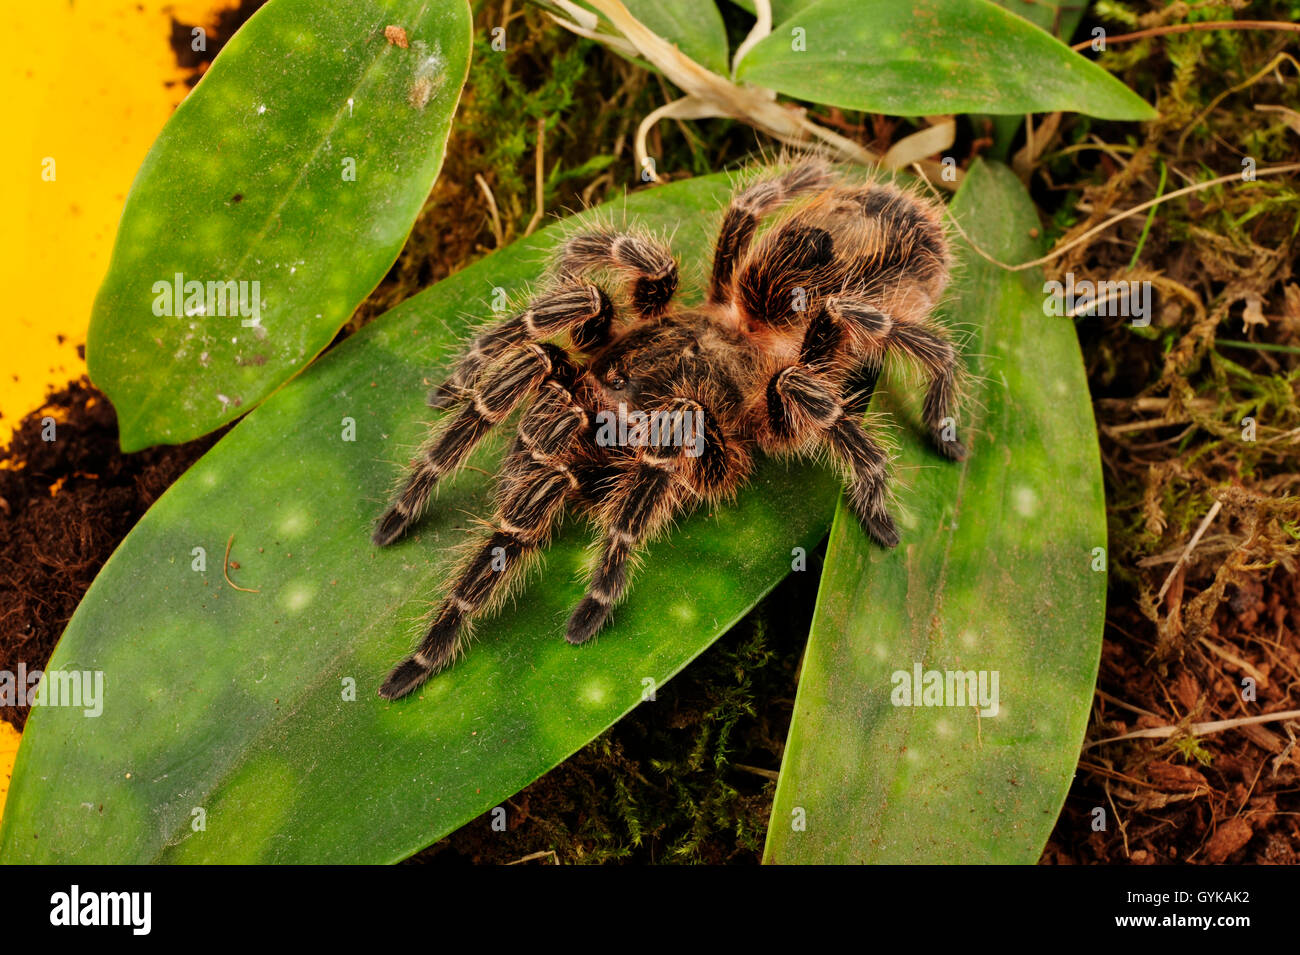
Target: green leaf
[299,163]
[1059,18]
[233,702]
[782,10]
[997,572]
[694,25]
[922,57]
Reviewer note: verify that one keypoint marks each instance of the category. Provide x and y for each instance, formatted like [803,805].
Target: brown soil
[1162,804]
[1230,797]
[196,62]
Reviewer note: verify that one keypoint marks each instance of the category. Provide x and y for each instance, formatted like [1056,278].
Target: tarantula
[781,358]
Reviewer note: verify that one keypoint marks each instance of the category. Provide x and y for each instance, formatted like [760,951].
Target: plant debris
[1200,430]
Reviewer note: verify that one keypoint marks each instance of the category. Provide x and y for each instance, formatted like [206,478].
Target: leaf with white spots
[272,203]
[235,701]
[922,57]
[995,575]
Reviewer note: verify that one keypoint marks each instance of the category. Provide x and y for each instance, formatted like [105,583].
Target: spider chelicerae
[636,413]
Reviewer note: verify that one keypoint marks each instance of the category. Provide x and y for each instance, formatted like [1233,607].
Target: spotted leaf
[270,206]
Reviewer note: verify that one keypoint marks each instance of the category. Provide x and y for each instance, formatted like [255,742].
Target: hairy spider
[781,358]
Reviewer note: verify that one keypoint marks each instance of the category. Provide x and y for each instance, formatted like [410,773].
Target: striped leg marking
[535,483]
[742,217]
[646,496]
[579,308]
[879,333]
[802,405]
[517,375]
[649,263]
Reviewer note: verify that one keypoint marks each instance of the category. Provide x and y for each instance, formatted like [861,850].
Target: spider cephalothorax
[638,413]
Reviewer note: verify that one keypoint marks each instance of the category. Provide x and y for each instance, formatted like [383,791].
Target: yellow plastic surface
[85,95]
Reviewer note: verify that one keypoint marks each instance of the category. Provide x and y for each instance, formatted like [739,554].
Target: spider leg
[579,308]
[516,376]
[875,333]
[803,408]
[650,264]
[858,388]
[747,208]
[821,342]
[915,243]
[656,484]
[536,480]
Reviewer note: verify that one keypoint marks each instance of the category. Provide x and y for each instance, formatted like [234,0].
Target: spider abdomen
[876,242]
